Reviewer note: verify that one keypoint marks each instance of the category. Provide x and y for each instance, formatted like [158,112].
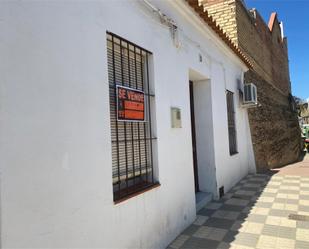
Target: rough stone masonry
[274,124]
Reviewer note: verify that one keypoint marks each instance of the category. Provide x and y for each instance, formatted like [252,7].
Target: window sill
[234,153]
[148,188]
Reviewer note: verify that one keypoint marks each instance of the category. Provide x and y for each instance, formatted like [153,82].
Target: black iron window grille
[132,142]
[231,122]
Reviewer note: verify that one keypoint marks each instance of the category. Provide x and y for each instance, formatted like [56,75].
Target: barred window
[231,122]
[132,140]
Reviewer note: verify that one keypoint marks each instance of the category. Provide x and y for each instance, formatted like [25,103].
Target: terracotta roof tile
[199,9]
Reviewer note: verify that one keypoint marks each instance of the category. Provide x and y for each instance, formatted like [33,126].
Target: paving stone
[279,206]
[280,213]
[304,197]
[210,233]
[266,242]
[273,184]
[230,236]
[246,239]
[246,188]
[257,181]
[200,220]
[303,208]
[266,199]
[285,222]
[292,176]
[283,200]
[263,204]
[256,218]
[230,215]
[259,210]
[248,227]
[301,244]
[219,223]
[302,234]
[265,194]
[288,196]
[179,241]
[270,190]
[243,216]
[270,230]
[291,184]
[303,213]
[252,185]
[280,221]
[304,202]
[245,192]
[246,210]
[232,208]
[302,224]
[237,225]
[237,202]
[235,189]
[199,243]
[279,231]
[287,232]
[282,243]
[191,230]
[224,245]
[227,196]
[273,220]
[291,207]
[206,212]
[288,191]
[302,192]
[214,205]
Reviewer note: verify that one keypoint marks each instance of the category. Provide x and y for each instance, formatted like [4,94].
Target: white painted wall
[55,149]
[204,136]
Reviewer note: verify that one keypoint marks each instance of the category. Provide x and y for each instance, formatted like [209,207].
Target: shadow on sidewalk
[238,217]
[256,213]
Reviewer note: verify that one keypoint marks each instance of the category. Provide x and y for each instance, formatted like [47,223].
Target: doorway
[193,132]
[203,150]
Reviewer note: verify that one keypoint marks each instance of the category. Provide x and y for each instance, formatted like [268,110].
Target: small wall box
[176,117]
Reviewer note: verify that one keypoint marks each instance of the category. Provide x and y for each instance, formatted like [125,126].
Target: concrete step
[202,199]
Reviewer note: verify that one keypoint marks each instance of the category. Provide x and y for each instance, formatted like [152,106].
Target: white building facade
[74,176]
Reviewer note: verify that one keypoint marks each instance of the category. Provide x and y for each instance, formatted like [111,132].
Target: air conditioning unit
[250,95]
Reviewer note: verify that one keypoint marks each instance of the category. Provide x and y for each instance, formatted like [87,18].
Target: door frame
[193,133]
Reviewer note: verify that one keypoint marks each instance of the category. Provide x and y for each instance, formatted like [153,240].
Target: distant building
[304,113]
[274,124]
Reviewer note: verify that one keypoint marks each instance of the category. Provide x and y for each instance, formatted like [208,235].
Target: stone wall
[274,126]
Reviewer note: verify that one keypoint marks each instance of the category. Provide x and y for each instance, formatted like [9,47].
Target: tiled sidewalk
[254,214]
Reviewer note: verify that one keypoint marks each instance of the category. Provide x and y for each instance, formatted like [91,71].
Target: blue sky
[294,15]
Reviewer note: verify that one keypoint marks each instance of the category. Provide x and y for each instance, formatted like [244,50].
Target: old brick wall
[274,126]
[224,12]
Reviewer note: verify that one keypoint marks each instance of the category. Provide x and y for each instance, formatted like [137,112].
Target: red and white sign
[130,104]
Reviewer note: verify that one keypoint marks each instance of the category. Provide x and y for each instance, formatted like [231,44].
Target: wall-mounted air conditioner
[250,95]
